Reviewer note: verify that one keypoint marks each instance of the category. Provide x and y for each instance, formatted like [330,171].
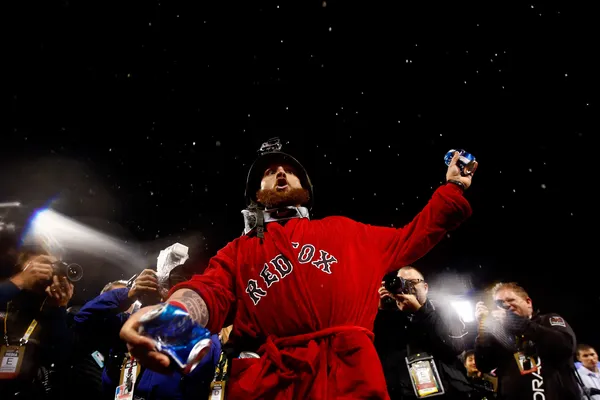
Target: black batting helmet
[269,154]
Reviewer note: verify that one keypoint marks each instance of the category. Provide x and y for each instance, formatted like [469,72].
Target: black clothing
[548,339]
[435,330]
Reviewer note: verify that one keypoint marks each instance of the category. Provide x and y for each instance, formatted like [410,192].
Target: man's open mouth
[282,184]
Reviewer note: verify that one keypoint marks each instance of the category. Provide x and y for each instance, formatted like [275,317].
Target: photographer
[34,275]
[533,352]
[409,326]
[34,321]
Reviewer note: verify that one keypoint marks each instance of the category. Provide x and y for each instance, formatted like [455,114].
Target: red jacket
[310,287]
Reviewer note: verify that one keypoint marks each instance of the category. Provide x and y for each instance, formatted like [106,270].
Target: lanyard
[129,371]
[522,343]
[217,386]
[29,330]
[221,368]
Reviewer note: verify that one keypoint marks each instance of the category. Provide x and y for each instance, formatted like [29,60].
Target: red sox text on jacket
[280,267]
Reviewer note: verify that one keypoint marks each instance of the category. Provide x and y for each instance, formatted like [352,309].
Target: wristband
[457,183]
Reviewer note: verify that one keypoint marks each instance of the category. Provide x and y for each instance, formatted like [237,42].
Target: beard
[271,198]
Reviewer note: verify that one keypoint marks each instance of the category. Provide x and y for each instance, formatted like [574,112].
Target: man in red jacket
[303,292]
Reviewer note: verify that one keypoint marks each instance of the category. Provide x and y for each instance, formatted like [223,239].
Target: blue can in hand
[177,335]
[466,162]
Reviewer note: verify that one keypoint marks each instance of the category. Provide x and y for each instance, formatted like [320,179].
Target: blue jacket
[99,322]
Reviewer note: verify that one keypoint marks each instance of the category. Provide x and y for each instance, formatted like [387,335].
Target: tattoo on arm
[194,303]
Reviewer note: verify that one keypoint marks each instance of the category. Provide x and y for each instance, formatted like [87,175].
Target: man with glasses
[419,342]
[533,352]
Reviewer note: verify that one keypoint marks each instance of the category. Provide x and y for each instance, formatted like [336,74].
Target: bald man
[416,326]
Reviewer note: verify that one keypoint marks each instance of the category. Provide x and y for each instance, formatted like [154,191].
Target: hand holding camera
[386,300]
[397,292]
[35,274]
[407,302]
[60,291]
[481,311]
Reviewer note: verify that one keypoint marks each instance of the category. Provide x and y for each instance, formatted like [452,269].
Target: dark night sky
[143,116]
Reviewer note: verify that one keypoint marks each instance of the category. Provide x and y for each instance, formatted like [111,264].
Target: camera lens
[74,272]
[394,285]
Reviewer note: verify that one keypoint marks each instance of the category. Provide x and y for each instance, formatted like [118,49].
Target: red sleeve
[446,210]
[216,286]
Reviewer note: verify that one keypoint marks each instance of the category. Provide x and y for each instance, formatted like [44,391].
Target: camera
[73,272]
[396,285]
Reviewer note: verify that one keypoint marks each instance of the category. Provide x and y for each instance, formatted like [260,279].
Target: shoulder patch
[557,321]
